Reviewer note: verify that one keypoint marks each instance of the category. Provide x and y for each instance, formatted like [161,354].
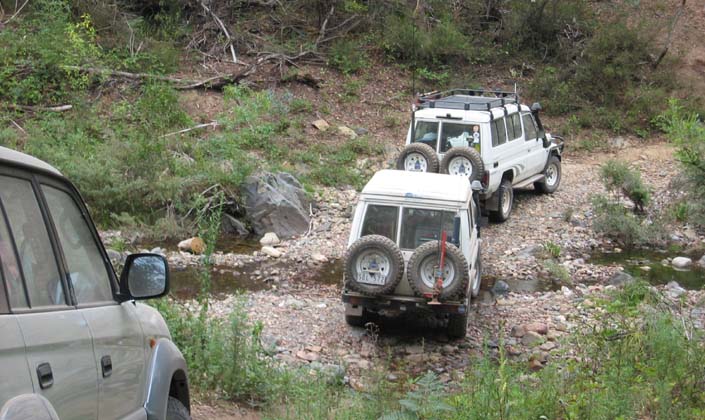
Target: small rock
[621,279]
[701,262]
[414,349]
[681,262]
[347,132]
[318,257]
[193,245]
[535,365]
[308,356]
[271,251]
[361,131]
[517,331]
[321,124]
[618,142]
[531,339]
[537,327]
[674,290]
[113,255]
[500,288]
[270,239]
[567,292]
[548,346]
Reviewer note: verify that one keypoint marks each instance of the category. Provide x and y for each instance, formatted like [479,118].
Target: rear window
[381,220]
[426,133]
[459,135]
[422,225]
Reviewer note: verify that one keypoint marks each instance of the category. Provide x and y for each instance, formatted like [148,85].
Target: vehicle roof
[471,115]
[13,156]
[418,185]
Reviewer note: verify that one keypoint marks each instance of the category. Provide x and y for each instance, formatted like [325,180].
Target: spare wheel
[373,265]
[423,268]
[418,157]
[463,161]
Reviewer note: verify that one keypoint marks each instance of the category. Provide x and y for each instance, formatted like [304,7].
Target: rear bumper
[402,303]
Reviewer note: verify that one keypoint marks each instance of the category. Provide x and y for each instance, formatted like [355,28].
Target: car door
[117,335]
[507,156]
[13,363]
[57,341]
[536,153]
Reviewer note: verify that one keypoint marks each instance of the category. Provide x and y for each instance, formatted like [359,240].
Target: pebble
[270,239]
[271,251]
[681,262]
[531,339]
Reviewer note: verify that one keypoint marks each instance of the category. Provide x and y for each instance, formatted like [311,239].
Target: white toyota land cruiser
[493,139]
[406,226]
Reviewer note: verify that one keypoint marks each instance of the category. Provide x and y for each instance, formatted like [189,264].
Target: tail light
[485,179]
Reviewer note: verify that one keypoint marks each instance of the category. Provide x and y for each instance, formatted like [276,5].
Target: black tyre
[505,202]
[552,176]
[418,157]
[373,265]
[457,325]
[464,161]
[477,281]
[175,410]
[423,266]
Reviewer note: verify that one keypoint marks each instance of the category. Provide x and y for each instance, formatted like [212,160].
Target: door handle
[107,364]
[45,375]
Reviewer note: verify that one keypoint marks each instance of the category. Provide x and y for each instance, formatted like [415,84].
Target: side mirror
[535,108]
[476,185]
[145,276]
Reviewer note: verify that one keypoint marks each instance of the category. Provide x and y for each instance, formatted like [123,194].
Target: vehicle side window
[499,132]
[420,226]
[10,268]
[381,220]
[529,127]
[427,133]
[515,121]
[37,259]
[87,270]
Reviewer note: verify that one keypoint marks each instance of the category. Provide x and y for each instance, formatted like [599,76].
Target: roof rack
[468,99]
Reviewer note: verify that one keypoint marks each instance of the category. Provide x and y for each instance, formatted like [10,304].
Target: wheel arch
[508,175]
[28,406]
[167,376]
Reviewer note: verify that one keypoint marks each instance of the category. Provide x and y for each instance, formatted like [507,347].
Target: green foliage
[425,401]
[686,130]
[625,227]
[553,249]
[348,56]
[621,180]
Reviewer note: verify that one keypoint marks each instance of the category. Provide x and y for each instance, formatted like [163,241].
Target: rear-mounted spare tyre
[418,157]
[423,267]
[373,265]
[463,161]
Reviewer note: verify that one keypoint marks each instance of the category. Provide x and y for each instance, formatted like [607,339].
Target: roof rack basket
[468,99]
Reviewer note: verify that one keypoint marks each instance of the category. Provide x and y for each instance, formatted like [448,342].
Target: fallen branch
[19,127]
[669,40]
[325,23]
[213,124]
[222,28]
[17,11]
[36,108]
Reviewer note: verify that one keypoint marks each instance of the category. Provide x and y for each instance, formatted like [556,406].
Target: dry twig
[220,23]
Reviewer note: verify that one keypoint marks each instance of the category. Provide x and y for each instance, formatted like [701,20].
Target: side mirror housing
[535,108]
[145,276]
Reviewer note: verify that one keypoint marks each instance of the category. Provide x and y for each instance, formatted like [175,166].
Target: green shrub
[620,179]
[626,228]
[348,56]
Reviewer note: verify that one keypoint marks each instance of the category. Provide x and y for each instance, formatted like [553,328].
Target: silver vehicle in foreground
[74,344]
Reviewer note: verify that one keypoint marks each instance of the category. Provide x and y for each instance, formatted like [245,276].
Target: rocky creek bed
[296,294]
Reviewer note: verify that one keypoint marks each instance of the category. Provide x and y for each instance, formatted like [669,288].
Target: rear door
[57,340]
[117,335]
[507,153]
[13,363]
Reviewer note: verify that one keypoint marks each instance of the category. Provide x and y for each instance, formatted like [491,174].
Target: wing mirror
[535,108]
[145,276]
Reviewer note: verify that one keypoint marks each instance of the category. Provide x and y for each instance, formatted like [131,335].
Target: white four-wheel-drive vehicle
[397,246]
[493,139]
[74,343]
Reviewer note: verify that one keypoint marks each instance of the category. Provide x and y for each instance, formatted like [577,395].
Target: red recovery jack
[438,287]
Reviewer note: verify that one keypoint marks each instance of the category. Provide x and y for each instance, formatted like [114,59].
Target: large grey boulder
[276,203]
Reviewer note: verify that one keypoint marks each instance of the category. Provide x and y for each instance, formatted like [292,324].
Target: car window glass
[10,269]
[421,225]
[516,126]
[459,135]
[499,134]
[86,267]
[426,133]
[34,249]
[381,220]
[529,127]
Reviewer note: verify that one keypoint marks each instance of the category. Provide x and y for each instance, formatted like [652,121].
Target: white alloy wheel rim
[551,174]
[460,166]
[428,272]
[506,201]
[372,264]
[415,162]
